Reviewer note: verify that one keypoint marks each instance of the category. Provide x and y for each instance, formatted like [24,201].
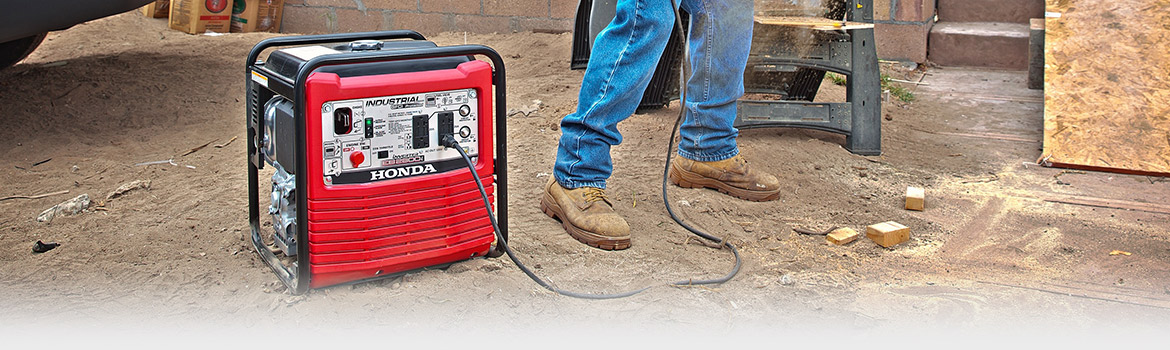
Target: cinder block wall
[901,30]
[428,16]
[902,27]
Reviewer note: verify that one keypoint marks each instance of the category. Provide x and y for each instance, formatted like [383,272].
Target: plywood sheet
[1107,85]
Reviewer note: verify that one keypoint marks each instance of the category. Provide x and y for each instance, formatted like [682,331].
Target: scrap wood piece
[982,179]
[227,143]
[1120,252]
[1047,161]
[888,234]
[196,149]
[35,196]
[1111,204]
[815,23]
[805,231]
[915,198]
[842,236]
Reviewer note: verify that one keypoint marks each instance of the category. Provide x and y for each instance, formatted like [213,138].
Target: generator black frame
[298,277]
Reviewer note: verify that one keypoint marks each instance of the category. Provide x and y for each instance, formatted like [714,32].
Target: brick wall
[902,27]
[428,16]
[901,30]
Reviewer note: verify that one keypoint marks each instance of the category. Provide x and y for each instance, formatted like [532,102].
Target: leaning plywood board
[815,23]
[1107,85]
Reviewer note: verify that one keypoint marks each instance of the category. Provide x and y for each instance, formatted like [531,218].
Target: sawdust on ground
[104,96]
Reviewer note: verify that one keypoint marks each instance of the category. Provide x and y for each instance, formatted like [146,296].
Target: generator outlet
[421,131]
[446,124]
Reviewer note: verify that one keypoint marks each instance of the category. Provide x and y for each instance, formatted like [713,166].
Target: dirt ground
[988,252]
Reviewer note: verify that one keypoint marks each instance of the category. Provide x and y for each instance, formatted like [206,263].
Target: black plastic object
[663,86]
[581,43]
[41,247]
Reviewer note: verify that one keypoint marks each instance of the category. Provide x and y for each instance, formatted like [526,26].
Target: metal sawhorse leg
[852,55]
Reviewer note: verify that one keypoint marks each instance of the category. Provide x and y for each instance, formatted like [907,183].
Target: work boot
[587,215]
[731,176]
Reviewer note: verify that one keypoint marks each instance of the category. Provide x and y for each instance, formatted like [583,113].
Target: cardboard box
[256,16]
[157,9]
[200,16]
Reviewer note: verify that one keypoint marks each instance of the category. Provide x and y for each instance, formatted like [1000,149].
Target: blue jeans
[621,64]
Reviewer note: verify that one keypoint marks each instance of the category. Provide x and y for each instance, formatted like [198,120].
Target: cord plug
[448,140]
[446,129]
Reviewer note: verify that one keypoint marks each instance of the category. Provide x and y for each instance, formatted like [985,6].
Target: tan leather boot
[587,215]
[731,176]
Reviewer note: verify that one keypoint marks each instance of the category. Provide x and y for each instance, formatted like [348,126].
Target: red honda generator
[349,127]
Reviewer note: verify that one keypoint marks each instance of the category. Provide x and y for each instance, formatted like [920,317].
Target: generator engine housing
[360,187]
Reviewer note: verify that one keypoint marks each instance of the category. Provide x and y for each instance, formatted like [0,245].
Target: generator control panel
[389,137]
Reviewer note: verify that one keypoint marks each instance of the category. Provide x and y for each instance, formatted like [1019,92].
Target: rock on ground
[69,207]
[127,187]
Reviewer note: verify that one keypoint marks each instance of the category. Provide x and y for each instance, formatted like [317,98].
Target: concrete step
[979,44]
[1008,11]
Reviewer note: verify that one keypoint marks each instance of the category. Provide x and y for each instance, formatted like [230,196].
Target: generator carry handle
[327,38]
[257,123]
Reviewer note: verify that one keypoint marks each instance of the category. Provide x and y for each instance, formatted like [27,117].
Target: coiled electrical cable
[449,141]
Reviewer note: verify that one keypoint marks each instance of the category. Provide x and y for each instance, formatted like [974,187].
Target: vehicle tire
[16,50]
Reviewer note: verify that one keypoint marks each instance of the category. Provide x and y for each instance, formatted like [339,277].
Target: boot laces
[593,194]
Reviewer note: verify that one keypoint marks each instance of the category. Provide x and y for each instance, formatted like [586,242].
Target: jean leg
[620,66]
[720,40]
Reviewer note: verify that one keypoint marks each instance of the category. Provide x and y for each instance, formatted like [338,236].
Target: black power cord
[449,141]
[682,87]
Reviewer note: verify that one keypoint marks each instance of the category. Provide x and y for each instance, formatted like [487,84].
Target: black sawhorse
[790,72]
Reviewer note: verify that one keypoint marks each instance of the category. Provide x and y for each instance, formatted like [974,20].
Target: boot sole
[550,208]
[688,179]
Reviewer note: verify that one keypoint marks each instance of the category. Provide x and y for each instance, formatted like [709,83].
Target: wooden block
[841,236]
[888,234]
[814,23]
[915,198]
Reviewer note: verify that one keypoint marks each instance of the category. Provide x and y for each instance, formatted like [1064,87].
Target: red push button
[356,158]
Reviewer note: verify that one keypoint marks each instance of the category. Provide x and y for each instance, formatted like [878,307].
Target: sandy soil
[989,251]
